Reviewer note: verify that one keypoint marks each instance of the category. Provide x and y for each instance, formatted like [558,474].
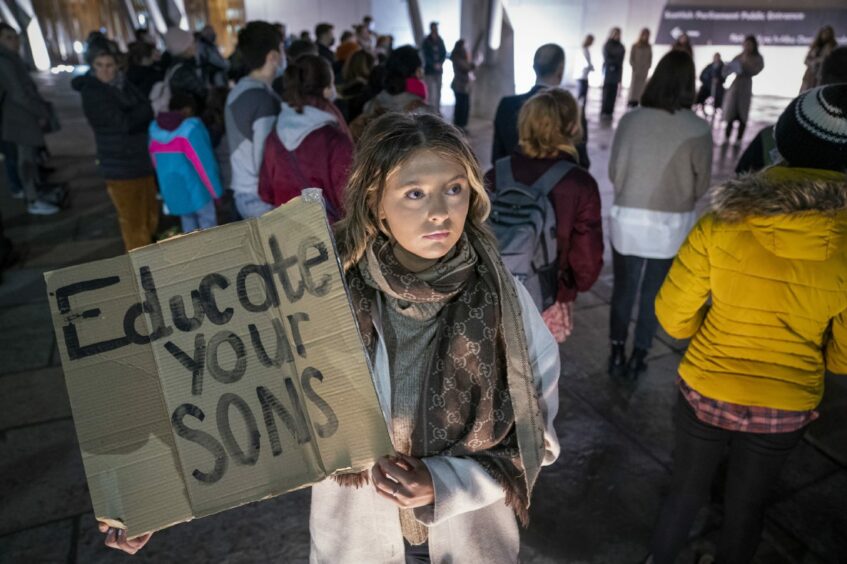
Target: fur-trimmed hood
[795,213]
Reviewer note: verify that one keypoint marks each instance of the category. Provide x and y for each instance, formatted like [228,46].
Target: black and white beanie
[812,131]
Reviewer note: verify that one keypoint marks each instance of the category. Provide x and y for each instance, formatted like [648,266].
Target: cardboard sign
[215,369]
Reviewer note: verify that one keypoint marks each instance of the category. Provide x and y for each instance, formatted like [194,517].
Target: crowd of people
[432,249]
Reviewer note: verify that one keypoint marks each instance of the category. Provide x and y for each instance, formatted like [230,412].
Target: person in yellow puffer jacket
[760,288]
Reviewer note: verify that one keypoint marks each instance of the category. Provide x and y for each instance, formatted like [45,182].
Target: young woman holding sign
[464,367]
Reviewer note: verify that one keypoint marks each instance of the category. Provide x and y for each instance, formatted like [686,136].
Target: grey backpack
[524,222]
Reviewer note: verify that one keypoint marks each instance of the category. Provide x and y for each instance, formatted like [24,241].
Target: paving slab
[26,338]
[41,476]
[21,286]
[74,252]
[816,514]
[642,409]
[29,398]
[275,530]
[47,544]
[602,487]
[588,345]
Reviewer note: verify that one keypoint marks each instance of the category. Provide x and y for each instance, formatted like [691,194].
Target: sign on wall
[215,369]
[707,25]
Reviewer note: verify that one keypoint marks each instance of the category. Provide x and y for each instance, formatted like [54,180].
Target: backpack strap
[552,177]
[503,170]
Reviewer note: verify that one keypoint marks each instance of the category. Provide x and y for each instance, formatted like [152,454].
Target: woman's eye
[455,189]
[415,194]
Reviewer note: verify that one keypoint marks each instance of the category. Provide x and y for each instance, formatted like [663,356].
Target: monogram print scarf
[478,398]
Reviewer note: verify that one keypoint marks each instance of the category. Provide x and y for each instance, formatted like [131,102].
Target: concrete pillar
[495,77]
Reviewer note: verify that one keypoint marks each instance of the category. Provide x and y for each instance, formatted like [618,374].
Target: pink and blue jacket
[185,163]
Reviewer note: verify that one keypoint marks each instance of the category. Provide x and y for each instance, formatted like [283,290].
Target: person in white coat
[465,369]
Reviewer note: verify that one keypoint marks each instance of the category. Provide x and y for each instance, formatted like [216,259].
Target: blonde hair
[387,143]
[549,123]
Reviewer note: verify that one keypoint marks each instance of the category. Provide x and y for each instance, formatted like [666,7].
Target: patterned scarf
[478,398]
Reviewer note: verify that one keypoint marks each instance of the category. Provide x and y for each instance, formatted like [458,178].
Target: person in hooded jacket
[120,114]
[188,174]
[310,145]
[759,288]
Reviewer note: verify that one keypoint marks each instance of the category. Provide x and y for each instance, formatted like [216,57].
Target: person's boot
[617,361]
[636,364]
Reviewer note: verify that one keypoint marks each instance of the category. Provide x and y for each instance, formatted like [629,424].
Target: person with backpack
[120,116]
[546,209]
[310,146]
[185,163]
[660,165]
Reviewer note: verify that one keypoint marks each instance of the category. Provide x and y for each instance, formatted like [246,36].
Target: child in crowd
[443,322]
[310,146]
[660,165]
[185,163]
[464,367]
[548,128]
[759,288]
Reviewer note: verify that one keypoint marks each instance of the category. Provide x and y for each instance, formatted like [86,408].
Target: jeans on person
[755,463]
[251,205]
[138,209]
[10,161]
[582,93]
[632,275]
[610,96]
[462,109]
[203,218]
[433,91]
[28,170]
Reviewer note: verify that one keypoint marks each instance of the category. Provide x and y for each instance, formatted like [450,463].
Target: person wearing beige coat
[640,59]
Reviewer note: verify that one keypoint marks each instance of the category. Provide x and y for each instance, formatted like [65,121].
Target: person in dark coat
[463,78]
[185,74]
[549,125]
[712,80]
[24,116]
[613,56]
[120,114]
[434,54]
[325,39]
[549,66]
[142,72]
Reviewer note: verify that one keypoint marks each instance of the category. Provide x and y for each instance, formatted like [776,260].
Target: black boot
[617,361]
[636,364]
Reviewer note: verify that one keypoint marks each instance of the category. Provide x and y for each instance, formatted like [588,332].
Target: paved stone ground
[596,504]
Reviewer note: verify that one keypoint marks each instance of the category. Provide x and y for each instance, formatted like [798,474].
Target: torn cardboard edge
[239,365]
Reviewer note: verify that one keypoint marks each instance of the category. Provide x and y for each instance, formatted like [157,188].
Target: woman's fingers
[396,470]
[104,528]
[116,538]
